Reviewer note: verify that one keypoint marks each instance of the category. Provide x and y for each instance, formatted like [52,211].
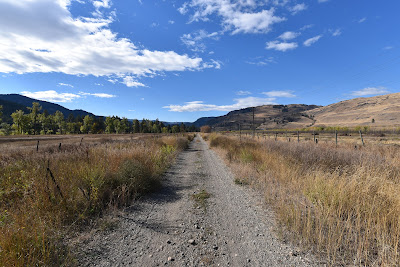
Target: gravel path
[231,228]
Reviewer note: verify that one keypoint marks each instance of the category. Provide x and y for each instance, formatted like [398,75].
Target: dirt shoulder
[200,217]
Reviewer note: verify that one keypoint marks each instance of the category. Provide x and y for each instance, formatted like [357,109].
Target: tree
[21,121]
[35,111]
[87,124]
[136,126]
[110,127]
[59,121]
[175,129]
[1,113]
[182,128]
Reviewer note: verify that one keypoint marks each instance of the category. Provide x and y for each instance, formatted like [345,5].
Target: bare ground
[171,227]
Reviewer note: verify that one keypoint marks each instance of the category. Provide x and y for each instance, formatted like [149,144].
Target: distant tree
[87,124]
[5,129]
[1,113]
[110,126]
[127,127]
[136,126]
[21,121]
[144,126]
[373,120]
[182,128]
[175,129]
[59,121]
[70,118]
[35,111]
[205,129]
[164,130]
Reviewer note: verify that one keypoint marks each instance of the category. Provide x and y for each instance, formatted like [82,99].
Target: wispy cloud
[51,40]
[281,46]
[322,1]
[279,94]
[239,104]
[289,35]
[297,8]
[371,91]
[243,93]
[65,84]
[389,47]
[100,95]
[131,82]
[312,40]
[51,96]
[54,96]
[235,17]
[362,20]
[337,32]
[261,61]
[195,40]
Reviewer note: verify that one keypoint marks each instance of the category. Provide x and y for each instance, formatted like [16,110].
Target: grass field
[341,202]
[48,193]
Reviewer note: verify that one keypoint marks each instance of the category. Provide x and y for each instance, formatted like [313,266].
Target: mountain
[265,117]
[13,102]
[381,110]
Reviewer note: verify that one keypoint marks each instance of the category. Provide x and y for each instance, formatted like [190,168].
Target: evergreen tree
[136,126]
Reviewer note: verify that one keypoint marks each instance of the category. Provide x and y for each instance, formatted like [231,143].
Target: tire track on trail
[170,228]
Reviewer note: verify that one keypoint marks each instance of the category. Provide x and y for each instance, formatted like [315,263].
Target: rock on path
[170,227]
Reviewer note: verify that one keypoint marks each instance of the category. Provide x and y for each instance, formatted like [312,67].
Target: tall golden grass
[341,202]
[45,195]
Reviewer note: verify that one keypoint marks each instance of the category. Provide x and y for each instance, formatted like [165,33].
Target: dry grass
[344,203]
[46,194]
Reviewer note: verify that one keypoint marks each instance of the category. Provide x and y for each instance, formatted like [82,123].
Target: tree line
[41,122]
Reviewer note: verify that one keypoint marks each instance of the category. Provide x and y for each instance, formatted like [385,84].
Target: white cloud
[322,1]
[100,95]
[261,61]
[243,93]
[305,27]
[388,47]
[130,82]
[281,46]
[194,41]
[297,8]
[362,20]
[42,36]
[337,32]
[239,104]
[279,94]
[236,17]
[289,35]
[54,96]
[371,91]
[171,22]
[102,3]
[51,96]
[312,40]
[66,84]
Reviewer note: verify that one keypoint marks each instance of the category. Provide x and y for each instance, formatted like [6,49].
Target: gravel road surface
[179,226]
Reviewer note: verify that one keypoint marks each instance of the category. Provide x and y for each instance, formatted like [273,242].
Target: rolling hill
[384,110]
[13,102]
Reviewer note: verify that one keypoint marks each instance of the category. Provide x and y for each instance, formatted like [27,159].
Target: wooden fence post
[298,137]
[37,146]
[336,137]
[362,139]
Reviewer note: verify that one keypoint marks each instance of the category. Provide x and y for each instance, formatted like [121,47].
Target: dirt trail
[233,229]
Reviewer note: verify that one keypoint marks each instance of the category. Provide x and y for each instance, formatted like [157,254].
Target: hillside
[13,102]
[265,117]
[384,110]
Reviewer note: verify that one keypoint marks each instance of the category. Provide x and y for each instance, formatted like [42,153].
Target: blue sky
[181,60]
